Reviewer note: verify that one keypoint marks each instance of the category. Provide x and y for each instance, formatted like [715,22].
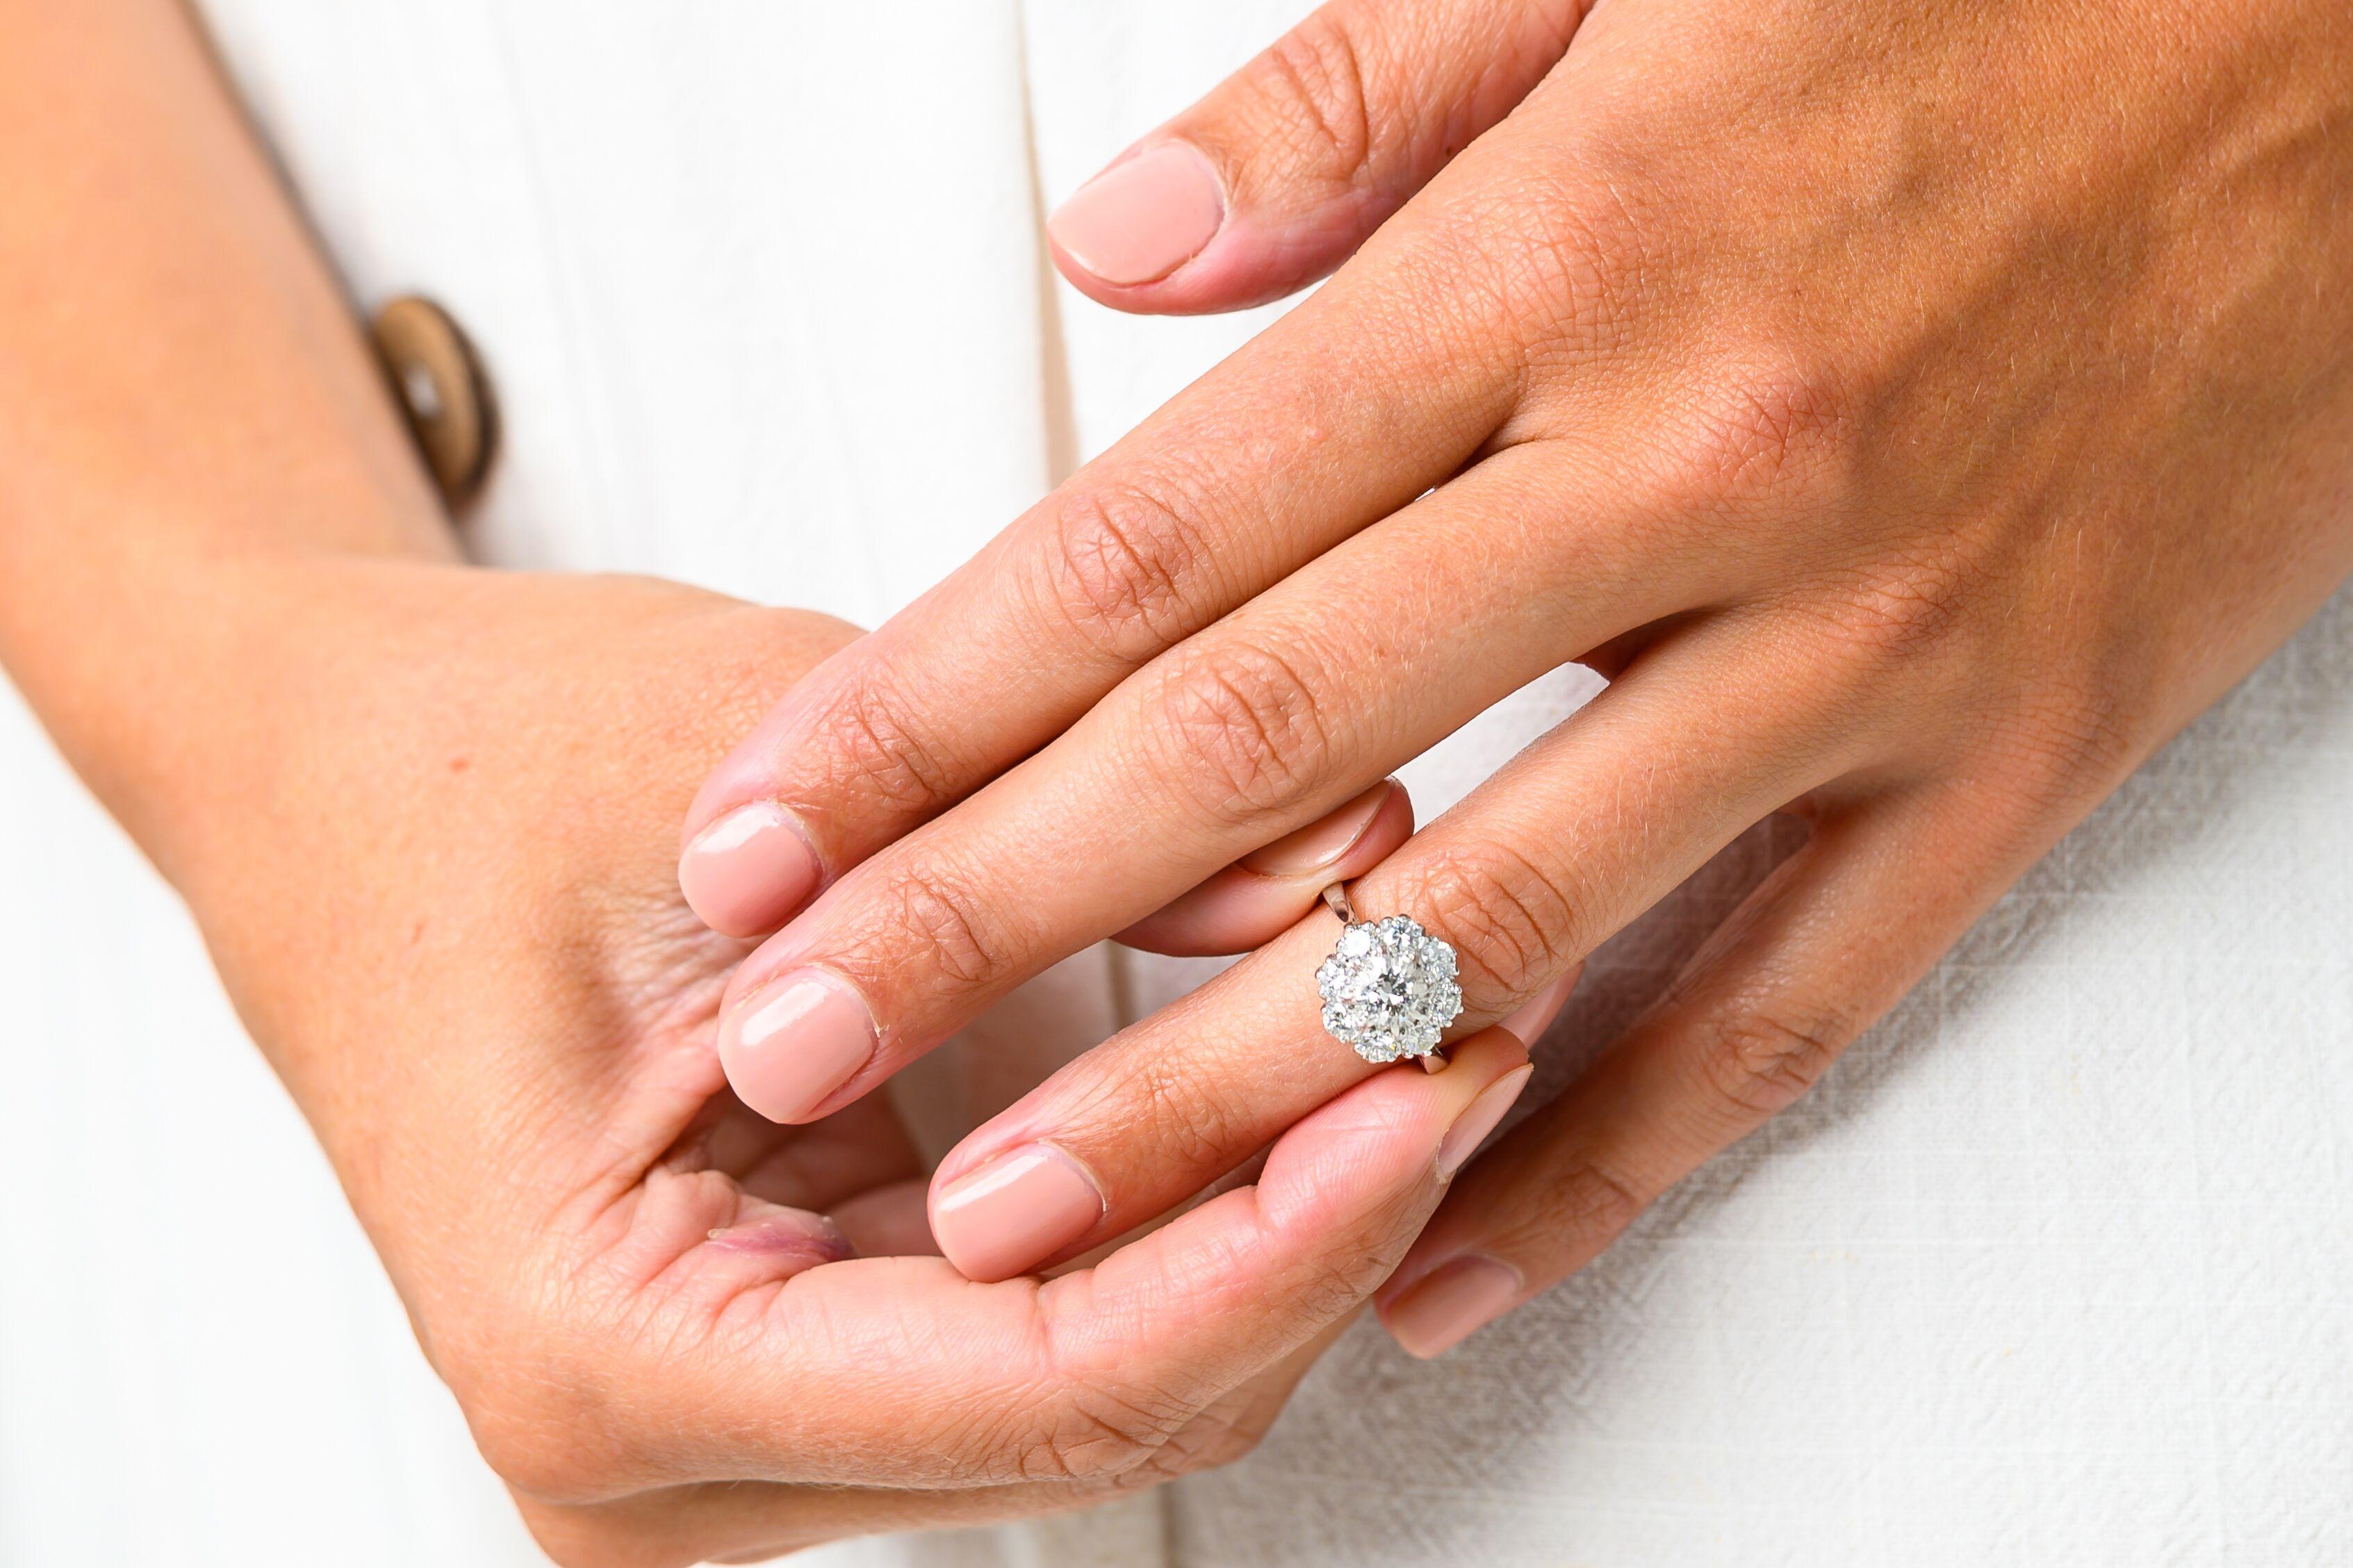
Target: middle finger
[1318,434]
[1245,733]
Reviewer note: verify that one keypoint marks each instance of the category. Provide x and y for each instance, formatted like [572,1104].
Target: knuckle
[1893,615]
[1572,259]
[1336,1287]
[1125,568]
[1097,1432]
[1245,726]
[1533,277]
[1584,1203]
[869,750]
[1196,1122]
[1210,1442]
[2029,775]
[929,911]
[1312,85]
[1773,440]
[1511,922]
[1760,1059]
[2075,743]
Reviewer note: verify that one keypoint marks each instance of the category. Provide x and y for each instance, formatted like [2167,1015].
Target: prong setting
[1389,990]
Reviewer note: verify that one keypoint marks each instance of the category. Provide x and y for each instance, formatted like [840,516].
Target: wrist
[190,713]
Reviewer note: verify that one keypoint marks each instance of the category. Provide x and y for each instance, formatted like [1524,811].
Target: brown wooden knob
[438,380]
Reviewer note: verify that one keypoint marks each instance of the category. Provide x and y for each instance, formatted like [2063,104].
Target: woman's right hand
[438,879]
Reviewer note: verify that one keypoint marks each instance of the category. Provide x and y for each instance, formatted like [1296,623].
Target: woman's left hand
[1920,411]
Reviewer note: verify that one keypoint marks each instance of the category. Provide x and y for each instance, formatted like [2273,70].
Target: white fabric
[2051,1269]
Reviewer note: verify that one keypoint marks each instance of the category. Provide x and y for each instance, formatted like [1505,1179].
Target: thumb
[1273,180]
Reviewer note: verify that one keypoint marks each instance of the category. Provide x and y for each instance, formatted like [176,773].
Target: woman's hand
[677,1331]
[425,816]
[1921,411]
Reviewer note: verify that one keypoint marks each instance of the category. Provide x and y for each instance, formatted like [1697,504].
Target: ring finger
[1707,735]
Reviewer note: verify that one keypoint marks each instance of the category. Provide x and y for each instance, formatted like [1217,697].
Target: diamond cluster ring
[1388,988]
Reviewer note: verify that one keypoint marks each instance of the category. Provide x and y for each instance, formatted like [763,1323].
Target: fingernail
[1534,1015]
[1478,1119]
[792,1042]
[1143,218]
[747,873]
[805,1239]
[1320,843]
[1015,1212]
[1451,1304]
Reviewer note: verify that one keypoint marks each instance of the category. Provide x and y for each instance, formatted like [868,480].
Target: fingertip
[1140,219]
[1484,1058]
[789,1046]
[1480,1118]
[1343,844]
[749,872]
[1252,901]
[1161,233]
[1015,1212]
[1233,911]
[1450,1304]
[1386,1134]
[1534,1016]
[790,1239]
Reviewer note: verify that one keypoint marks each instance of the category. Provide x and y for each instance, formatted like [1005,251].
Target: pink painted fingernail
[793,1042]
[1015,1212]
[1478,1119]
[803,1240]
[1143,217]
[1451,1304]
[1534,1015]
[1321,843]
[747,873]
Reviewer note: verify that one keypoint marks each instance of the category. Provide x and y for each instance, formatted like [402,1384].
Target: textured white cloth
[2052,1269]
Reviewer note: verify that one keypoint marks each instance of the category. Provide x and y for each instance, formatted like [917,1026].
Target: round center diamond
[1388,989]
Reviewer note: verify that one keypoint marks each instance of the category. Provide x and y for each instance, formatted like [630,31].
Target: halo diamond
[1388,989]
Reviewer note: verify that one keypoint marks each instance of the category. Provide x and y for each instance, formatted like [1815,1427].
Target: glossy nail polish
[1321,843]
[748,872]
[1534,1016]
[793,1042]
[1015,1212]
[1451,1303]
[1143,217]
[1478,1119]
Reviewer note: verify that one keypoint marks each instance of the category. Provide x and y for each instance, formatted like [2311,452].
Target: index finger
[1314,430]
